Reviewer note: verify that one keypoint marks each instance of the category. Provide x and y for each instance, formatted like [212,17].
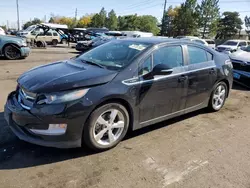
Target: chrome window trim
[129,83]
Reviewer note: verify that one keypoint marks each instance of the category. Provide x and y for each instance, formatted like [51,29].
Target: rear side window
[197,55]
[242,44]
[210,42]
[171,56]
[49,34]
[55,34]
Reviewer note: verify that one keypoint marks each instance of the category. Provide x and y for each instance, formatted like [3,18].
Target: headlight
[62,97]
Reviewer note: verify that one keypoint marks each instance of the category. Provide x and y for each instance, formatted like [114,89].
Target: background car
[13,47]
[241,66]
[211,43]
[231,46]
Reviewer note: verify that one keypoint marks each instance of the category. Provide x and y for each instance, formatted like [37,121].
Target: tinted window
[49,34]
[171,56]
[197,55]
[230,43]
[146,67]
[210,42]
[242,44]
[55,34]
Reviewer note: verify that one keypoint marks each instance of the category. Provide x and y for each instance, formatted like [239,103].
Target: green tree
[95,21]
[33,22]
[168,27]
[112,21]
[148,23]
[102,17]
[229,25]
[208,17]
[51,20]
[128,22]
[186,21]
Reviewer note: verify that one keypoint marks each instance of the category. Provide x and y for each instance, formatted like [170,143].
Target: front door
[201,76]
[161,95]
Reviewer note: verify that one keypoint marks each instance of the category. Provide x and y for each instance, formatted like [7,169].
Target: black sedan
[130,83]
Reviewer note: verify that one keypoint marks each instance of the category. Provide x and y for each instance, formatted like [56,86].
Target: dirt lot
[198,150]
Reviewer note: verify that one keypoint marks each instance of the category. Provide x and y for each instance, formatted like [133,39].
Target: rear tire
[106,127]
[11,52]
[54,42]
[218,97]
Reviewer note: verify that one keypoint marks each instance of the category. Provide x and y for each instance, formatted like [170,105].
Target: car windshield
[247,49]
[30,28]
[230,43]
[114,55]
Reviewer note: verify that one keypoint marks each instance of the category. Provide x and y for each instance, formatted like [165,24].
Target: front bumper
[21,122]
[25,51]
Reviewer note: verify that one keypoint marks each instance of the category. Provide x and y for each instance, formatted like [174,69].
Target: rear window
[210,42]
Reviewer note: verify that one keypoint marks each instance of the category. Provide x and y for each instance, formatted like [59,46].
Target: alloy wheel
[219,97]
[109,127]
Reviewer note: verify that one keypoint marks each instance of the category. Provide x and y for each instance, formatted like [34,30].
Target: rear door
[202,74]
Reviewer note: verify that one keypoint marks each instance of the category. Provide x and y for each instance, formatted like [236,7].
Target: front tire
[106,127]
[12,52]
[218,97]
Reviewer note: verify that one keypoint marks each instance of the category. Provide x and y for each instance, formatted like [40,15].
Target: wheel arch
[118,100]
[227,83]
[11,44]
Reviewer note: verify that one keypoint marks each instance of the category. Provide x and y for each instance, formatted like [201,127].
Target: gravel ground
[197,150]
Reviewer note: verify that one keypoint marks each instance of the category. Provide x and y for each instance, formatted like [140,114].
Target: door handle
[182,78]
[212,71]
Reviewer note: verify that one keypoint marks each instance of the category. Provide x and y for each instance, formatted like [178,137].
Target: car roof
[158,40]
[152,40]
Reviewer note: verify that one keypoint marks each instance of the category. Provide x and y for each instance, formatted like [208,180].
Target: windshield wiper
[93,63]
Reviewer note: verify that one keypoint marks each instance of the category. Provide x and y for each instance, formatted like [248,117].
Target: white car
[211,43]
[196,39]
[241,66]
[2,32]
[231,46]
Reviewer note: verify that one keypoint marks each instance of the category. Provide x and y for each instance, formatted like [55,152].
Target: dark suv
[131,83]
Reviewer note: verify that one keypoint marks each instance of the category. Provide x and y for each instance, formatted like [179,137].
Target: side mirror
[162,69]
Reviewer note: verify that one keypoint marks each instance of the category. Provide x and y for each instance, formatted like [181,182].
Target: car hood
[241,55]
[64,75]
[227,46]
[6,37]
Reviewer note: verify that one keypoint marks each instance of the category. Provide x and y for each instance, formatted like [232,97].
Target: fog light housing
[53,130]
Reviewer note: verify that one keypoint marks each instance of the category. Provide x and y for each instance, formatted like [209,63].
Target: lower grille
[241,66]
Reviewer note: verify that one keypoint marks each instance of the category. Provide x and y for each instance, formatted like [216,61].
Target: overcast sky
[41,9]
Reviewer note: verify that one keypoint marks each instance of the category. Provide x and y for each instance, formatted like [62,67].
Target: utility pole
[17,9]
[163,17]
[76,14]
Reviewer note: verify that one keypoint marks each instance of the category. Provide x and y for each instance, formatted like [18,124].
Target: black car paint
[148,100]
[61,76]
